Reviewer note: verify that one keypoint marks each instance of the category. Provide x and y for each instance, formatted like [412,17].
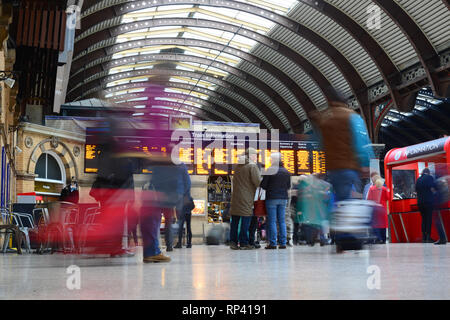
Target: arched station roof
[264,61]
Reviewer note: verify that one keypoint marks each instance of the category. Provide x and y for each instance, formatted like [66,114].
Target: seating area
[52,227]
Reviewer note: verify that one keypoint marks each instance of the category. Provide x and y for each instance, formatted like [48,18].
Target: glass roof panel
[247,20]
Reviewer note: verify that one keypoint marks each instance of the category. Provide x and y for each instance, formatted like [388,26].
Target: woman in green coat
[312,205]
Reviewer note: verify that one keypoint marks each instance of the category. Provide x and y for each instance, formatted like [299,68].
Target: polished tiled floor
[407,271]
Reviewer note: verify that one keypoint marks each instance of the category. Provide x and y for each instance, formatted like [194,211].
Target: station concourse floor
[406,271]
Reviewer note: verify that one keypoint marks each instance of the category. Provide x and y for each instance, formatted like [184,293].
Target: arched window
[49,168]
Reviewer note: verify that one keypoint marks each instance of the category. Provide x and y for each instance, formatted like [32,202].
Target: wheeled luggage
[215,235]
[352,223]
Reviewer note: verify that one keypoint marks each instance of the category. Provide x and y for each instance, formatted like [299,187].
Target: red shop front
[403,167]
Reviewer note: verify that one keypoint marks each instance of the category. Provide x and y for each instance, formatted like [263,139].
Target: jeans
[276,209]
[343,181]
[150,225]
[169,219]
[183,218]
[243,232]
[252,230]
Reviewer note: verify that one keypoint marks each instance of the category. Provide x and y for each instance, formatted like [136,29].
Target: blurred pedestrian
[299,227]
[246,180]
[277,186]
[114,190]
[346,144]
[174,182]
[314,207]
[442,198]
[379,194]
[425,188]
[170,182]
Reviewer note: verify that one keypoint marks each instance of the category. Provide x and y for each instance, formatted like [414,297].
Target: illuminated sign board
[216,153]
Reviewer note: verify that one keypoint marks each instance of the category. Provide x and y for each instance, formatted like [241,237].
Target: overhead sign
[216,153]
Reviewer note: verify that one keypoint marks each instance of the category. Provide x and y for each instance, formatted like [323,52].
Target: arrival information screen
[208,157]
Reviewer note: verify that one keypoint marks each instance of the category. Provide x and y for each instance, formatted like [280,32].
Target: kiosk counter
[403,167]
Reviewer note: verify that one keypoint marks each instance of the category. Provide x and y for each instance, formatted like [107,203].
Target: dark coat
[277,185]
[423,188]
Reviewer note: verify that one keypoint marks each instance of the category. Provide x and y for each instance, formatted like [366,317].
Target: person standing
[185,216]
[70,192]
[379,194]
[277,186]
[246,180]
[373,177]
[425,188]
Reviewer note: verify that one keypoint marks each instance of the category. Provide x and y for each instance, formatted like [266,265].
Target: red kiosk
[402,168]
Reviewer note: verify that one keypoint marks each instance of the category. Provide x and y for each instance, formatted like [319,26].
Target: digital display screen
[206,158]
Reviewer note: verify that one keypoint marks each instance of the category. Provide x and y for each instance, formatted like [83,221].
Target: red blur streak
[104,234]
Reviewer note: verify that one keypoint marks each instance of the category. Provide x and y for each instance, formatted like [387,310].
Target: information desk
[403,167]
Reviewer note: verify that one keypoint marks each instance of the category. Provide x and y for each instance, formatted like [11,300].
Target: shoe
[159,258]
[257,246]
[189,246]
[270,247]
[234,246]
[122,254]
[178,246]
[281,247]
[168,249]
[247,247]
[440,242]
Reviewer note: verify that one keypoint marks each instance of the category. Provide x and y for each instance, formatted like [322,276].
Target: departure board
[207,157]
[91,153]
[319,162]
[303,162]
[187,157]
[288,159]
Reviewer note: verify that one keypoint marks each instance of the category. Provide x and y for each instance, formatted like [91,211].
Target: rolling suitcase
[351,224]
[215,235]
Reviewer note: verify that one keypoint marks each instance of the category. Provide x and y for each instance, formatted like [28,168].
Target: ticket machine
[403,167]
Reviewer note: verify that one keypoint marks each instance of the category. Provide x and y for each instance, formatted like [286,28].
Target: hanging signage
[215,153]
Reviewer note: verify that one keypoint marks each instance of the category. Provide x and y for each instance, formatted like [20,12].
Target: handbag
[260,206]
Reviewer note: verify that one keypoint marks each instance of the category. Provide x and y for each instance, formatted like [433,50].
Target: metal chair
[59,227]
[25,222]
[89,225]
[10,224]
